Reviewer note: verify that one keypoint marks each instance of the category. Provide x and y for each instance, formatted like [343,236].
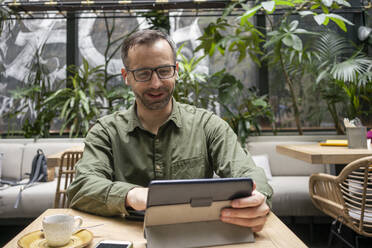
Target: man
[159,138]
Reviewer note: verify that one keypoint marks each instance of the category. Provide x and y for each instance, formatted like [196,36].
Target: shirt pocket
[188,168]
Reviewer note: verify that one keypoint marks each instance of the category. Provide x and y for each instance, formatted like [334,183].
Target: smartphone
[114,244]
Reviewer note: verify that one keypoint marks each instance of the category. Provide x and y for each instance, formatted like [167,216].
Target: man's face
[155,93]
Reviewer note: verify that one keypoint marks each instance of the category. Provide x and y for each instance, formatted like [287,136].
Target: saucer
[36,240]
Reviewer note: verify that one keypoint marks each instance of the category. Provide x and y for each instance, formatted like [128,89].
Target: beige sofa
[16,162]
[290,177]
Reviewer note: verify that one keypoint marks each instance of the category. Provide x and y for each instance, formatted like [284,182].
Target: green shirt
[120,154]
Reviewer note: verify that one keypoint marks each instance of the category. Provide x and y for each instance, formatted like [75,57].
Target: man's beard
[156,105]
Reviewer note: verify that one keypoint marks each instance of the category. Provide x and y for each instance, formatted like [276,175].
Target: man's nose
[155,81]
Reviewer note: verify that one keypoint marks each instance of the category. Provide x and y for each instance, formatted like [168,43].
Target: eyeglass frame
[152,71]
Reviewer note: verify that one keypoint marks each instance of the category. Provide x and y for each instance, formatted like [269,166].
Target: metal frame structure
[120,8]
[32,8]
[76,5]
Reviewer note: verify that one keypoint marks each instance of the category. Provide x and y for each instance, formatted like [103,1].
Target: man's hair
[144,37]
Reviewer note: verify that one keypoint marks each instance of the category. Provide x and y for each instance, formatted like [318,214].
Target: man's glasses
[145,74]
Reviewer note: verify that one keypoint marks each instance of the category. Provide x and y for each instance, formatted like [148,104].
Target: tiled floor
[302,230]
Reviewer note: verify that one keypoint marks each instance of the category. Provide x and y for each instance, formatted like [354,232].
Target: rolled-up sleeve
[94,188]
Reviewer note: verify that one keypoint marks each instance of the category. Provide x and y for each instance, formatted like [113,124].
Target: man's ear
[124,74]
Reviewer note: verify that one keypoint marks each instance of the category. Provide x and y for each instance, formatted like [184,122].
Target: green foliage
[158,19]
[213,38]
[243,108]
[286,49]
[343,66]
[288,35]
[91,94]
[35,117]
[284,46]
[326,6]
[113,96]
[32,126]
[4,17]
[301,6]
[77,106]
[190,83]
[246,39]
[119,96]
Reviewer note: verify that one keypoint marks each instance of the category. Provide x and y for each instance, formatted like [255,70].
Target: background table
[54,160]
[274,234]
[317,154]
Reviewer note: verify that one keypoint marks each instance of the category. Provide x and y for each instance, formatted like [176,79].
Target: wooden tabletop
[317,154]
[54,160]
[275,233]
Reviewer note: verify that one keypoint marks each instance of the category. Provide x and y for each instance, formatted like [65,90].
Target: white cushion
[1,160]
[263,162]
[12,160]
[291,197]
[35,200]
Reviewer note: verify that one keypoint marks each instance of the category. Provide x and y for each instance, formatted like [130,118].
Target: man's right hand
[137,198]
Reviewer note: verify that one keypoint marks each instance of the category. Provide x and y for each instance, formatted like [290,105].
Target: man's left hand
[249,211]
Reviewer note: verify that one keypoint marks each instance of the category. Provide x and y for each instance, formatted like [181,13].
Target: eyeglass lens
[163,72]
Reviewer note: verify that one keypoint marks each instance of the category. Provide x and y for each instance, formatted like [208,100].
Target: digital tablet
[197,192]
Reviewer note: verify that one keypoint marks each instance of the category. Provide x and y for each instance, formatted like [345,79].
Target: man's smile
[154,95]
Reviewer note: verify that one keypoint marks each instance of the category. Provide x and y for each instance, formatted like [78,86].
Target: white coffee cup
[59,228]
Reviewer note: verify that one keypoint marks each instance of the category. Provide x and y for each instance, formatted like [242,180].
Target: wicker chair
[347,198]
[65,176]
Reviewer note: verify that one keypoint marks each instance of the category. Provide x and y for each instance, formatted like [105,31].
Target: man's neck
[152,120]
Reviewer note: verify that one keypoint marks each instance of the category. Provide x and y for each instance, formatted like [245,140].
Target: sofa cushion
[35,200]
[263,162]
[48,149]
[291,197]
[12,160]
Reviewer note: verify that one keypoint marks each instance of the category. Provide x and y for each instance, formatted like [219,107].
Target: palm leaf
[331,46]
[333,51]
[349,69]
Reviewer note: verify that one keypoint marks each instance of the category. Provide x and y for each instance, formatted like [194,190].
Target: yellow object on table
[36,240]
[334,143]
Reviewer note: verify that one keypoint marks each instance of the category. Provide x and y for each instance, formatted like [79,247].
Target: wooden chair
[66,173]
[347,198]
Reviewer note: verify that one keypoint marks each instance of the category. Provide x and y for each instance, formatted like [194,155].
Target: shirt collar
[175,116]
[133,121]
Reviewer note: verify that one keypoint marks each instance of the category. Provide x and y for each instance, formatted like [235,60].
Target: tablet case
[185,213]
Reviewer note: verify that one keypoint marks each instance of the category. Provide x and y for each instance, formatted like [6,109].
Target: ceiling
[34,8]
